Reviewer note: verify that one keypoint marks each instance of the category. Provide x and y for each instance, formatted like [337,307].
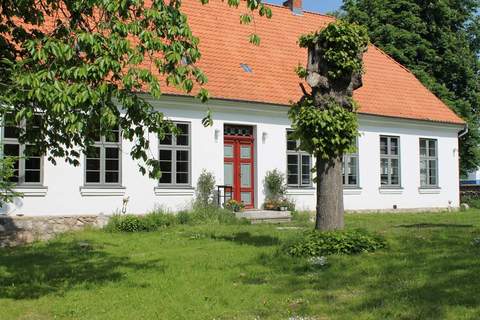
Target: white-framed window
[299,164]
[175,157]
[390,161]
[350,169]
[428,163]
[28,168]
[103,160]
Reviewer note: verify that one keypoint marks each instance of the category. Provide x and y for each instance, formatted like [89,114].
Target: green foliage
[205,193]
[470,198]
[315,243]
[326,133]
[339,46]
[84,73]
[7,192]
[158,220]
[439,42]
[275,185]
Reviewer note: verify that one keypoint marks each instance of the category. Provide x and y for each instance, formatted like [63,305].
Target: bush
[315,243]
[472,199]
[157,220]
[275,186]
[125,223]
[205,193]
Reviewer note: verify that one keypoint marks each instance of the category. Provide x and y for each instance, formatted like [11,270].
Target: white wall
[63,193]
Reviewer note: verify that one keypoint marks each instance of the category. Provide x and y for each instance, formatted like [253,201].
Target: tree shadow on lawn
[426,275]
[434,225]
[55,267]
[248,239]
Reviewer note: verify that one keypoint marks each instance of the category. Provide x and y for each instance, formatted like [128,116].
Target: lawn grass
[430,271]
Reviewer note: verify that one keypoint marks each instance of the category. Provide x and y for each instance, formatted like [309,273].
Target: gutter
[463,132]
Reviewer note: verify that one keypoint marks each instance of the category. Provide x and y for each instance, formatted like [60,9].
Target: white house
[407,153]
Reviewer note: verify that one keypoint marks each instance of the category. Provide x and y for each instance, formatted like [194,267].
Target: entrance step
[265,216]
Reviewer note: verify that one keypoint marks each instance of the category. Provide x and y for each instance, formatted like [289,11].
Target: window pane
[228,174]
[182,166]
[432,149]
[292,169]
[395,172]
[93,176]
[182,155]
[245,172]
[10,130]
[182,178]
[352,171]
[93,152]
[11,150]
[432,164]
[246,198]
[112,177]
[166,177]
[228,151]
[383,145]
[112,153]
[384,171]
[93,164]
[245,152]
[423,173]
[32,176]
[182,137]
[32,163]
[112,165]
[182,140]
[423,147]
[291,145]
[165,155]
[166,166]
[167,140]
[306,170]
[394,147]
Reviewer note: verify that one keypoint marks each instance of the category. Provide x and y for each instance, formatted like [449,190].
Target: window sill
[103,191]
[352,191]
[390,190]
[307,191]
[432,190]
[174,191]
[32,191]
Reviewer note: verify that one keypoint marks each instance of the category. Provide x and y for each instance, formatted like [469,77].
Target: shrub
[125,223]
[472,199]
[205,190]
[275,186]
[183,217]
[315,243]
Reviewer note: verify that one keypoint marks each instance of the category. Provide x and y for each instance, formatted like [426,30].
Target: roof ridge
[304,11]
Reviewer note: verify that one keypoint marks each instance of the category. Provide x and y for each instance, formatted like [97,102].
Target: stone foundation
[16,231]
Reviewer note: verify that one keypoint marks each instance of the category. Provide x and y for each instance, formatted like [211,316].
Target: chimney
[295,6]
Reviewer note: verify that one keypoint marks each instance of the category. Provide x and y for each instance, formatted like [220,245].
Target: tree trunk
[329,195]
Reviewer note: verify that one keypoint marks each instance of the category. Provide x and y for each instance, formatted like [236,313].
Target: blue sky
[322,6]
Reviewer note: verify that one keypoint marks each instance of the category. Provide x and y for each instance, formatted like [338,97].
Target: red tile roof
[389,88]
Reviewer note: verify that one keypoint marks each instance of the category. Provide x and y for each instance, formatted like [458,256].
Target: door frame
[237,141]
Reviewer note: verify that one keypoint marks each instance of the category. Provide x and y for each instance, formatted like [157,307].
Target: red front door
[239,164]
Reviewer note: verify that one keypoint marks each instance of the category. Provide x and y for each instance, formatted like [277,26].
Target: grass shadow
[247,238]
[55,267]
[434,225]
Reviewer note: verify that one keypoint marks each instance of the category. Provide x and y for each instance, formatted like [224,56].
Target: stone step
[265,216]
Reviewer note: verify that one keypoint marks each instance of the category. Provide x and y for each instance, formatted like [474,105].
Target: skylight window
[246,67]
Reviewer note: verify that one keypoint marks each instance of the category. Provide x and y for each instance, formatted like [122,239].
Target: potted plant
[234,205]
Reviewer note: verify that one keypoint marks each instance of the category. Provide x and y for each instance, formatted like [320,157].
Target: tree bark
[329,195]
